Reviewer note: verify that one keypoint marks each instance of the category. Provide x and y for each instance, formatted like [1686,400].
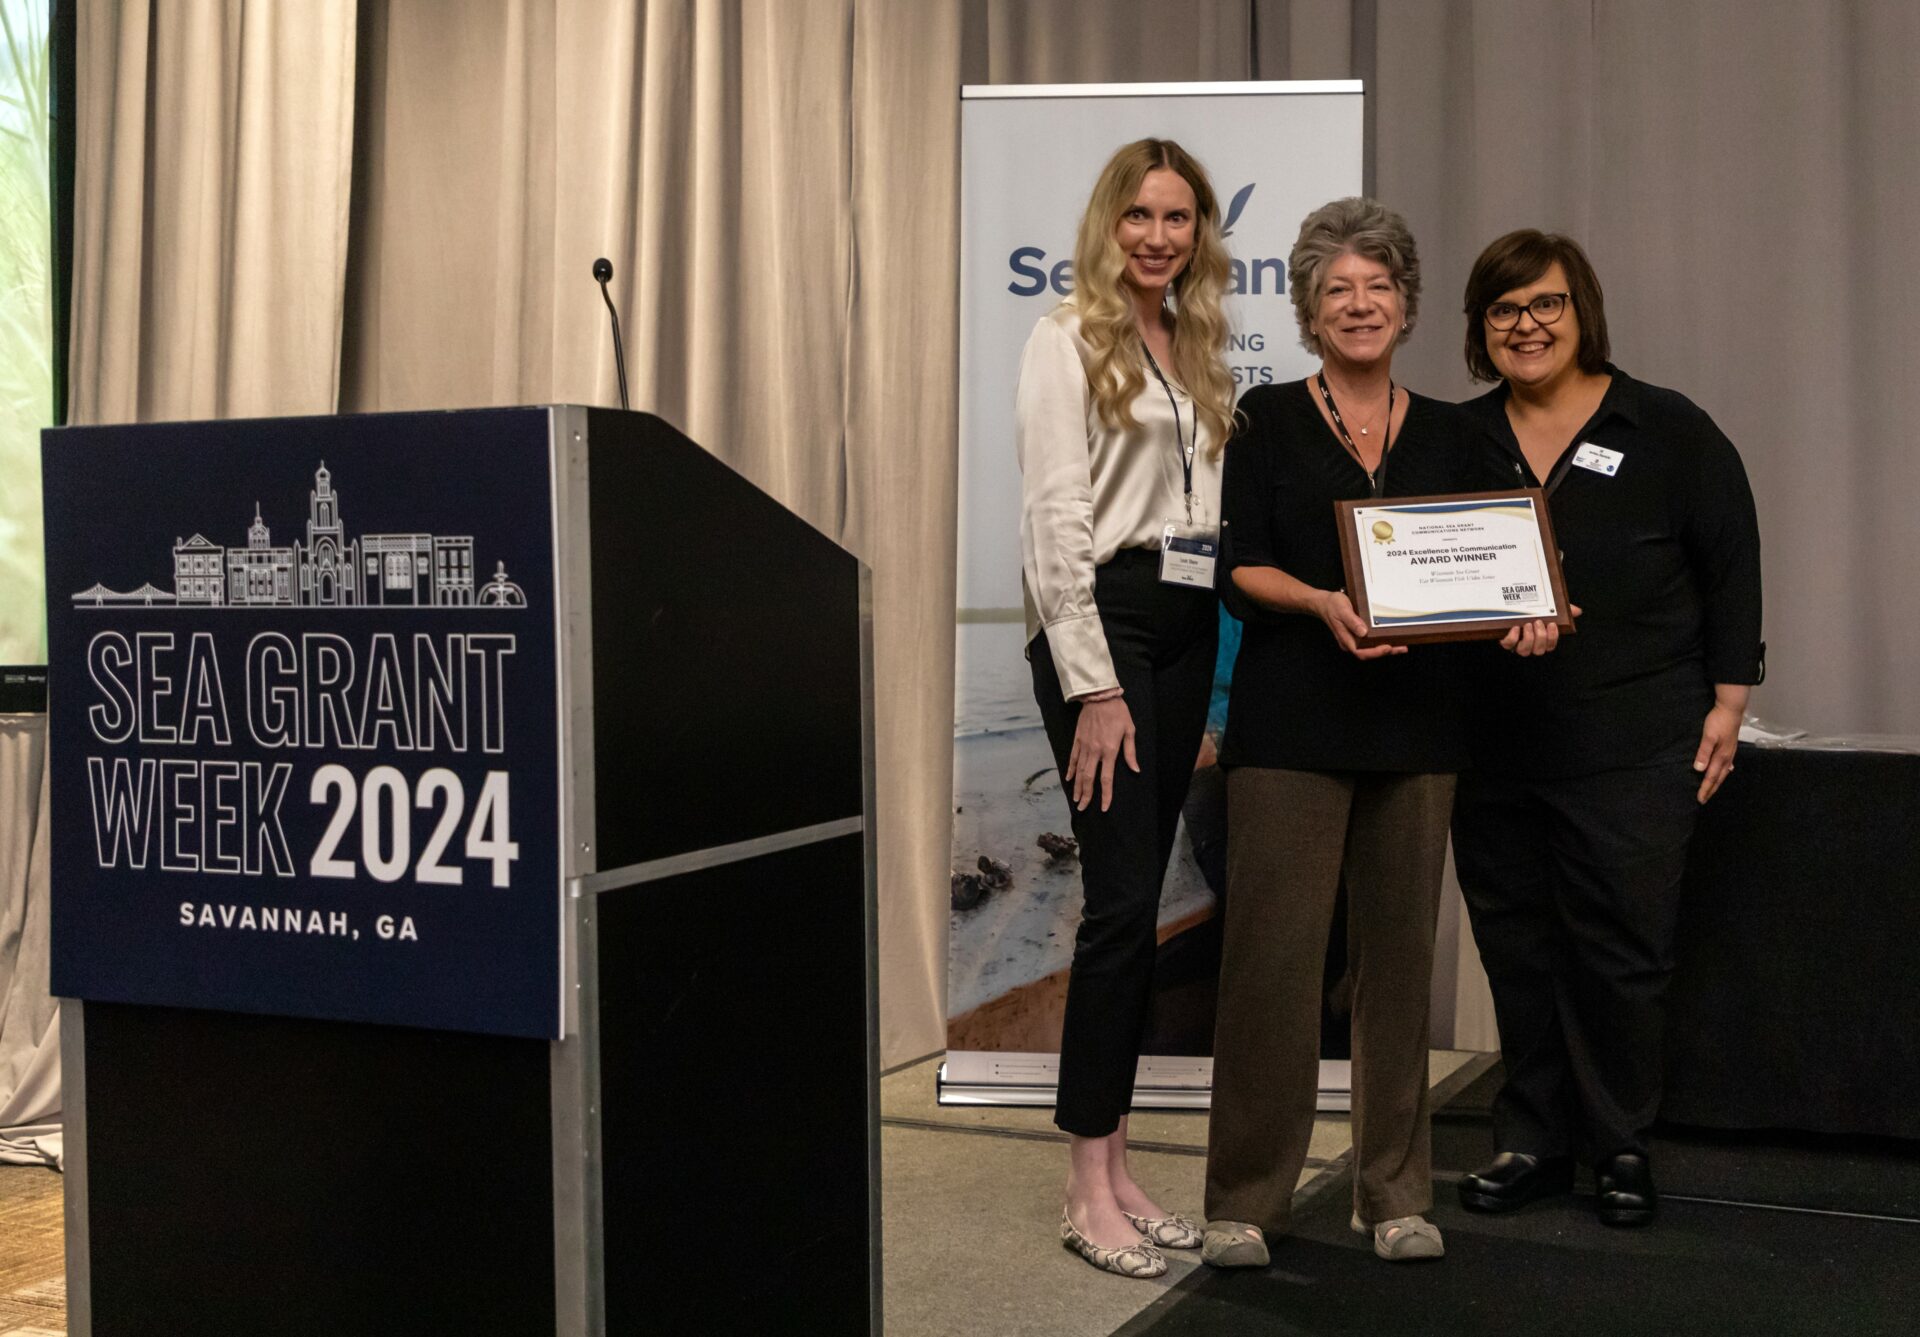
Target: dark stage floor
[1758,1234]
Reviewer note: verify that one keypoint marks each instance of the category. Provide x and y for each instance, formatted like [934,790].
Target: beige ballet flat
[1140,1260]
[1405,1239]
[1167,1232]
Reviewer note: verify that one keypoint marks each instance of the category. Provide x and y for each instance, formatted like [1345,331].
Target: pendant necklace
[1376,478]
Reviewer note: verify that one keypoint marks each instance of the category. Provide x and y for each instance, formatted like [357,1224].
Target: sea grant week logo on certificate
[314,776]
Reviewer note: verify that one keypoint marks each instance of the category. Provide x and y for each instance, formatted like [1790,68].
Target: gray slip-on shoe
[1234,1244]
[1405,1239]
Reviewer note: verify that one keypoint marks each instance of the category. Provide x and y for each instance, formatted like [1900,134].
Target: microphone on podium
[603,272]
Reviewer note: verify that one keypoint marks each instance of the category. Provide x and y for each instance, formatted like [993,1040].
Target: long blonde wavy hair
[1119,369]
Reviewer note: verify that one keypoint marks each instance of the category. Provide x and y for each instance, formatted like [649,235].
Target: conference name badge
[1598,458]
[1189,554]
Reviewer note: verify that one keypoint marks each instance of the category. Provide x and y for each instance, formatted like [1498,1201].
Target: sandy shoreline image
[1008,955]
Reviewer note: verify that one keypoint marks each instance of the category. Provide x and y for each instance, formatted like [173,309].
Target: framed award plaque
[1451,568]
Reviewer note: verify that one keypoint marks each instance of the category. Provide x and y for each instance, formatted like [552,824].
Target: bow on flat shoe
[1140,1260]
[1167,1232]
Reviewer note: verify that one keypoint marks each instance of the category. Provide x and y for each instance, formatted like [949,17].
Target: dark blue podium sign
[304,717]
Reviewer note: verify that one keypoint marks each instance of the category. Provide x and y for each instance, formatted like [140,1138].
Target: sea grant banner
[1274,151]
[303,718]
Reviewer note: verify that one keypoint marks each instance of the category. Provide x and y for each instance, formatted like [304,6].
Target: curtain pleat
[450,277]
[29,1017]
[1071,42]
[207,275]
[902,424]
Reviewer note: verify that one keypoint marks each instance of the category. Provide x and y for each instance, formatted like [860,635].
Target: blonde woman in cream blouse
[1124,405]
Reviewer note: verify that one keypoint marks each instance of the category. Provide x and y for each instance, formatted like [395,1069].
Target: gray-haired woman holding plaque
[1340,759]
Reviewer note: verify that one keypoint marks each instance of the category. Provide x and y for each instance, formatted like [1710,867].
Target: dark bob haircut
[1520,258]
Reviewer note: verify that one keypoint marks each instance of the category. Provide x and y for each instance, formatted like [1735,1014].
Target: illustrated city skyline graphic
[326,569]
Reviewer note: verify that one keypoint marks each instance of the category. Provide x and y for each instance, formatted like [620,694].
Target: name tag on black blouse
[1597,458]
[1188,554]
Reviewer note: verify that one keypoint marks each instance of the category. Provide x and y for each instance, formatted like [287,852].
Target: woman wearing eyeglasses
[1570,831]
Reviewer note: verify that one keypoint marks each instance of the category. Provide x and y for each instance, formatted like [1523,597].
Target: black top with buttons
[1663,559]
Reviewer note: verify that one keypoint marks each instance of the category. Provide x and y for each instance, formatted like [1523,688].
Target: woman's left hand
[1718,740]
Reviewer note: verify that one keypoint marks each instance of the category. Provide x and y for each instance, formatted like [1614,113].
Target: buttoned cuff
[1743,669]
[1080,656]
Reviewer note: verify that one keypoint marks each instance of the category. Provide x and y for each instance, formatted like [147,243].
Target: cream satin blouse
[1088,490]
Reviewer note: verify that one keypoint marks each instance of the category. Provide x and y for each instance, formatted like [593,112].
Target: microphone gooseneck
[603,274]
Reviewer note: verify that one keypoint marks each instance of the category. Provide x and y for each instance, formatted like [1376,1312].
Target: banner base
[979,1077]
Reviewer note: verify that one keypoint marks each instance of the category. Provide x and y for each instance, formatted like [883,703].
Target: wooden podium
[622,1078]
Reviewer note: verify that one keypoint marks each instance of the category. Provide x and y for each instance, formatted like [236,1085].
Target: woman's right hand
[1104,733]
[1337,612]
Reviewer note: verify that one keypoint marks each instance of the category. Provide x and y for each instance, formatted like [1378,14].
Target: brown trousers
[1289,835]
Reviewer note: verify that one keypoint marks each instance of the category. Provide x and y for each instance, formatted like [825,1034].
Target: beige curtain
[757,173]
[1071,42]
[214,146]
[29,1018]
[449,292]
[903,419]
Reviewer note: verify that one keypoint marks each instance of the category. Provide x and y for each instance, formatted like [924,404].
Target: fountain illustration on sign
[326,569]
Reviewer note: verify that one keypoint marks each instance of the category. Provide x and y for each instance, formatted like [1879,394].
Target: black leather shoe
[1514,1179]
[1626,1193]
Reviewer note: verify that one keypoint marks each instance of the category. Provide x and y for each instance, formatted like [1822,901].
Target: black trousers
[1162,638]
[1573,887]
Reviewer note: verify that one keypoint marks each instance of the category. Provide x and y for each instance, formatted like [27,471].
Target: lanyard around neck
[1376,478]
[1179,435]
[1564,465]
[1561,468]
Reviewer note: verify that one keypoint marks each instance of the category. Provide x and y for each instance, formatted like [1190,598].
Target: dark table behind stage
[1796,1002]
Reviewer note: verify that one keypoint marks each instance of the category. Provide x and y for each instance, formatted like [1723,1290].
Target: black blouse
[1299,701]
[1663,558]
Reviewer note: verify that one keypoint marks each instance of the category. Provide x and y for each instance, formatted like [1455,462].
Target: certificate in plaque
[1454,568]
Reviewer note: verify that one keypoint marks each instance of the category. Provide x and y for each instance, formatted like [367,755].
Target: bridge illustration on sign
[325,569]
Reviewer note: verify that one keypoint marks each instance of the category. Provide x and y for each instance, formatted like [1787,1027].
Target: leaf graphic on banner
[1233,209]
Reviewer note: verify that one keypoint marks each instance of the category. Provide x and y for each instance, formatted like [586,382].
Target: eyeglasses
[1545,309]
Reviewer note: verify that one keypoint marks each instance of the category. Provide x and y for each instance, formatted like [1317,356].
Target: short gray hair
[1366,228]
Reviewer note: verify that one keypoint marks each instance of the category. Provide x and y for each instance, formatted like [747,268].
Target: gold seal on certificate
[1455,568]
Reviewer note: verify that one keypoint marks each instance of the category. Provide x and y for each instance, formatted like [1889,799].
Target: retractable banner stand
[1030,156]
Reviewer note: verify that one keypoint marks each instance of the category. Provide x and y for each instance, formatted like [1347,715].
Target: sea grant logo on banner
[1030,158]
[314,776]
[1036,275]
